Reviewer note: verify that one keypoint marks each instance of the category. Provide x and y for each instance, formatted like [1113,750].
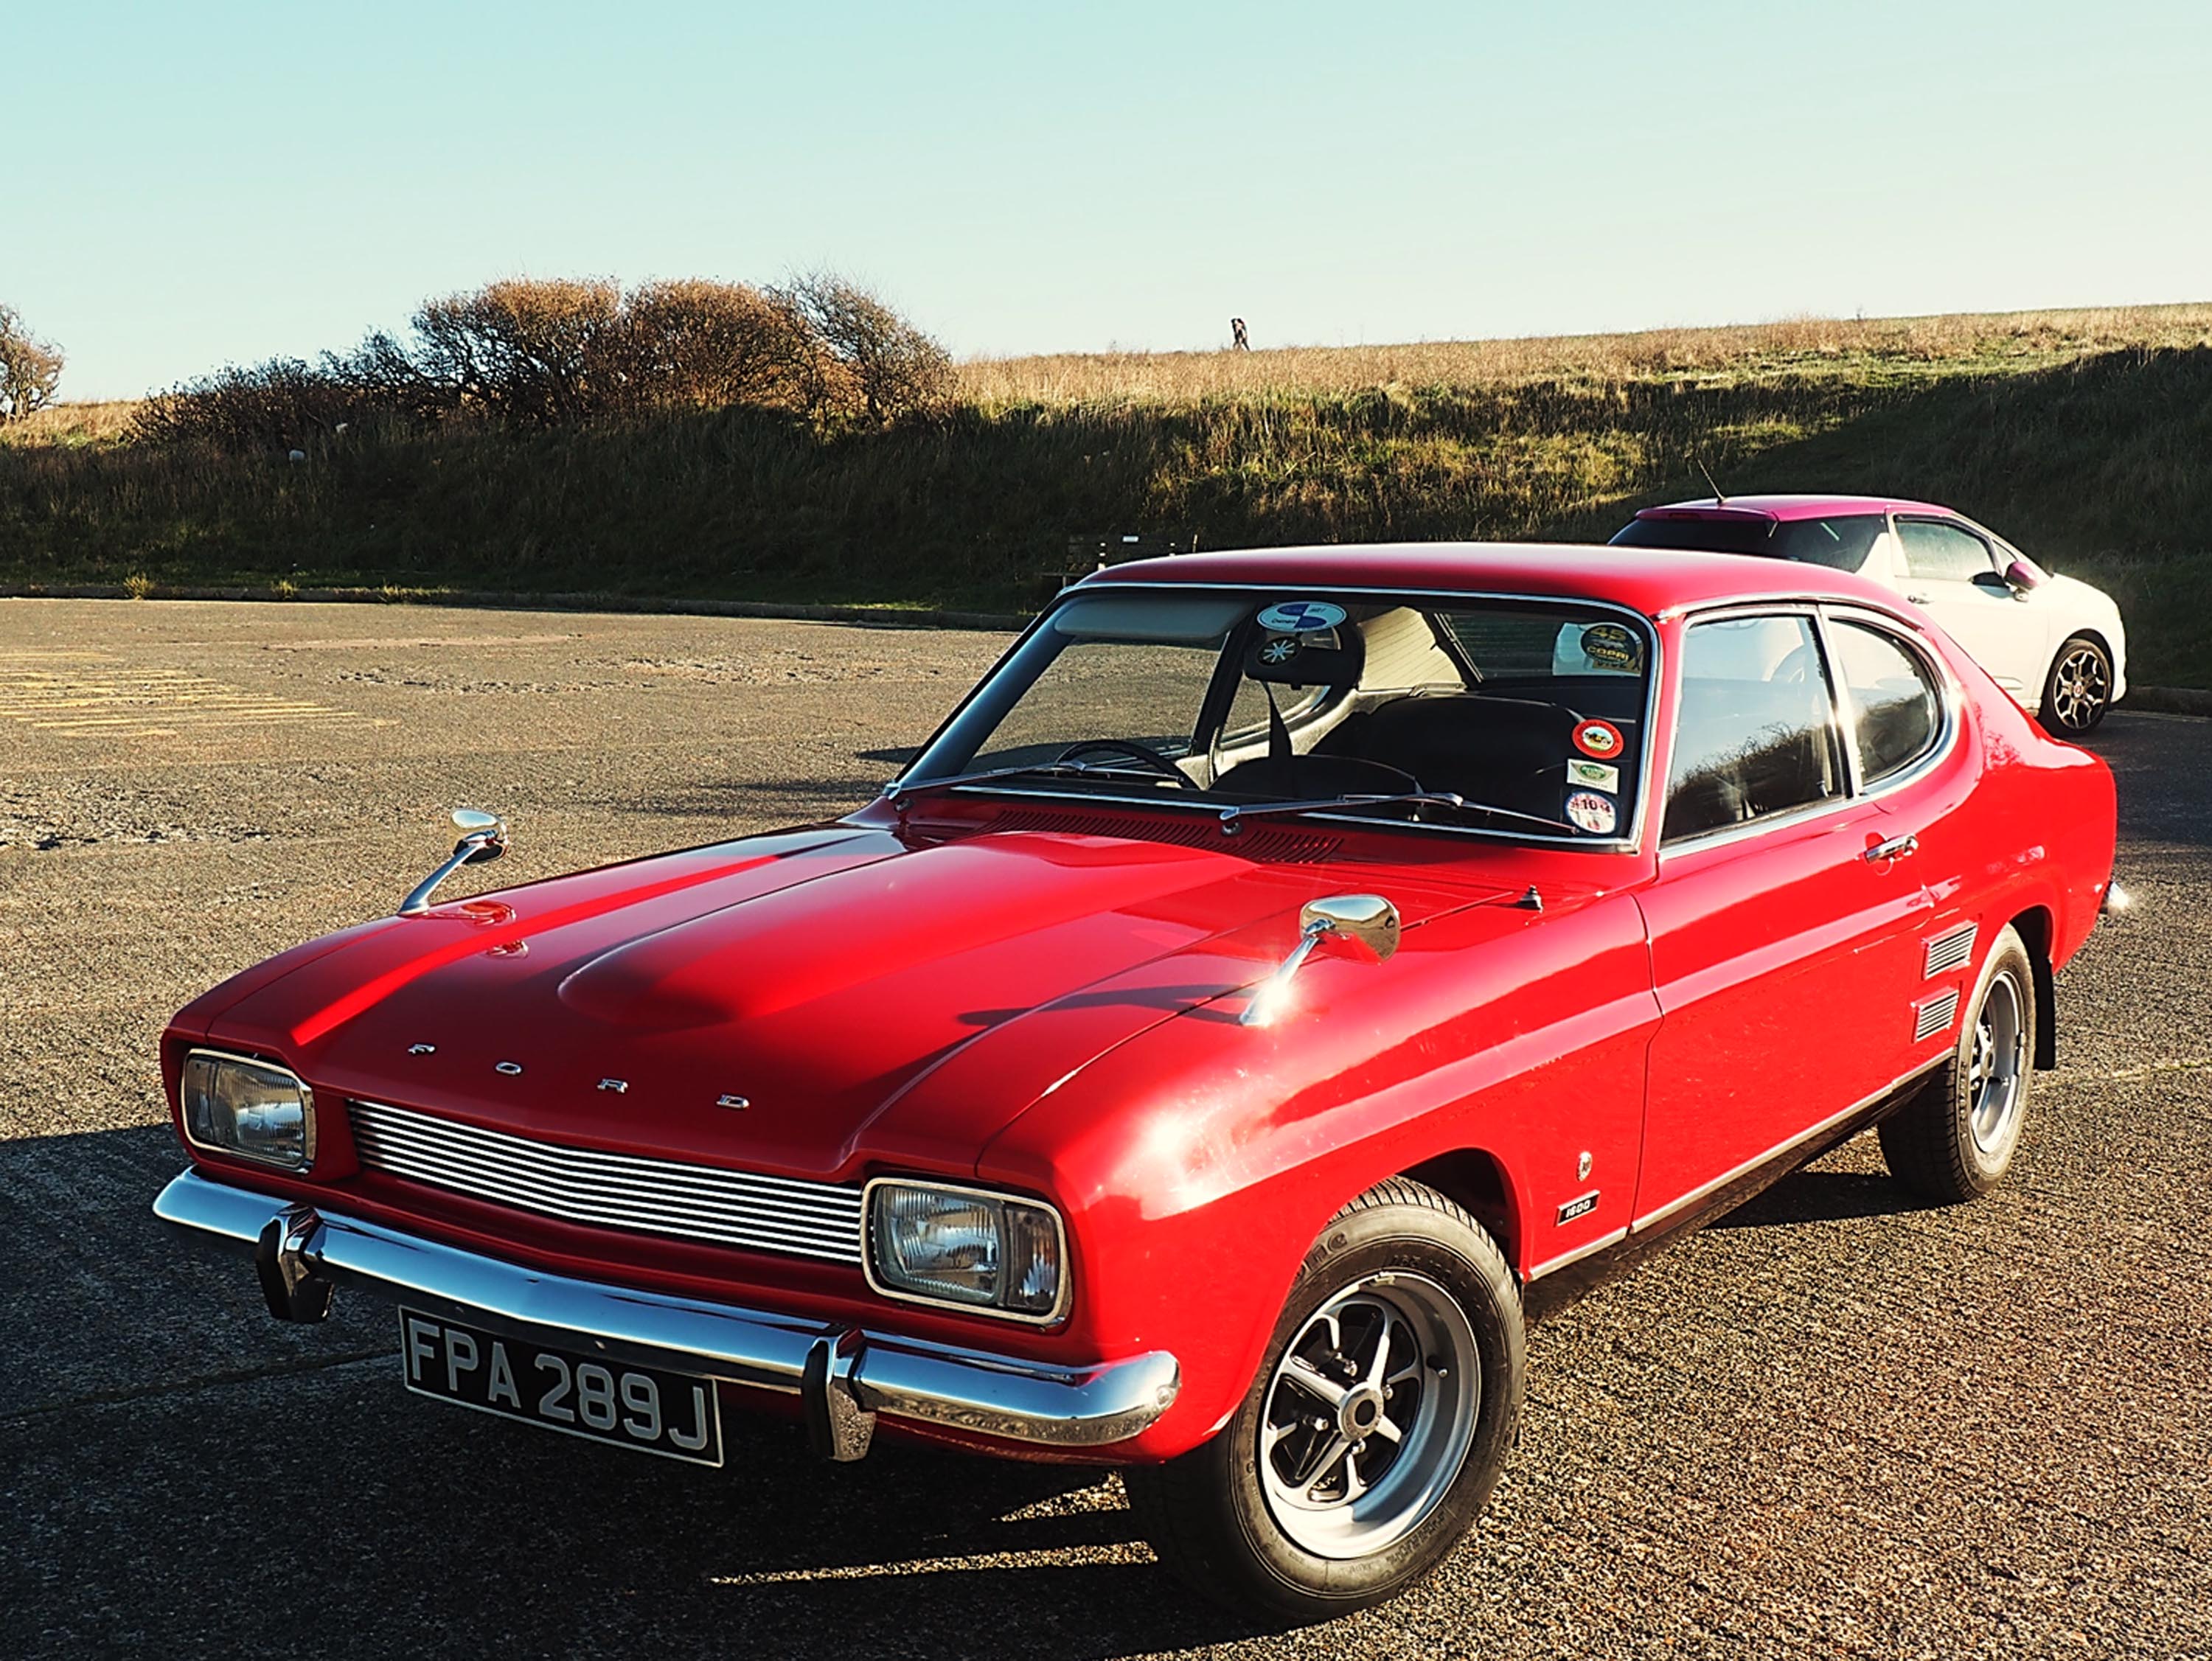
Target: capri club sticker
[1301,617]
[1599,738]
[1612,646]
[1592,775]
[1594,813]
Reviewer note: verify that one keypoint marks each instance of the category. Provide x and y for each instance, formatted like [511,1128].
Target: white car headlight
[253,1109]
[992,1252]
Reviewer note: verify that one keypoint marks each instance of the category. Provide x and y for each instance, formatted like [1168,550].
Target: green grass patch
[2088,453]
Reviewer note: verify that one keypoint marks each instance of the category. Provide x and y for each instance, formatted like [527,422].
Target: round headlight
[990,1252]
[249,1108]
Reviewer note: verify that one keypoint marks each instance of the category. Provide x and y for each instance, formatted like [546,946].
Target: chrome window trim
[307,1097]
[1850,611]
[1721,613]
[1947,696]
[1646,625]
[1061,1302]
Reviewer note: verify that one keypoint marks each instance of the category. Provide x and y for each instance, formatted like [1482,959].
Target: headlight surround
[969,1248]
[252,1109]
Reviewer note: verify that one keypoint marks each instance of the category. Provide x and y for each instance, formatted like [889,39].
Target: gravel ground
[1831,1425]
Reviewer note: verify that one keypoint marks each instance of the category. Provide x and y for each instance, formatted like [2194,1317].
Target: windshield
[1840,541]
[1529,713]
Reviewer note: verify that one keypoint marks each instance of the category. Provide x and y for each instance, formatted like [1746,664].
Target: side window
[1947,553]
[1754,734]
[1892,705]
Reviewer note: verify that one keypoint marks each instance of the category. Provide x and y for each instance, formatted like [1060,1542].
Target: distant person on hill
[1239,341]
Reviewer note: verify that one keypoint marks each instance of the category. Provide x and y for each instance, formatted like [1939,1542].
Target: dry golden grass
[1966,339]
[72,424]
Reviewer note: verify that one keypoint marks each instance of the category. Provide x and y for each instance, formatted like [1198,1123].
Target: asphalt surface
[1833,1425]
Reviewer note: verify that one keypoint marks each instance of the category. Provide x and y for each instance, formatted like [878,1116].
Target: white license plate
[639,1408]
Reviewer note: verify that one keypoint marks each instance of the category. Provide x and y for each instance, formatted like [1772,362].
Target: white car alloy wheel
[2080,688]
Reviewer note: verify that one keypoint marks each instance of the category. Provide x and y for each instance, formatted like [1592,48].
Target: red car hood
[816,976]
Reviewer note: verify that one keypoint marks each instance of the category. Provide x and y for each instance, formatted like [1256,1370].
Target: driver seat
[1509,752]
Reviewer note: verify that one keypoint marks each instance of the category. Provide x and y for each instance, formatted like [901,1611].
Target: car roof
[1788,507]
[1650,580]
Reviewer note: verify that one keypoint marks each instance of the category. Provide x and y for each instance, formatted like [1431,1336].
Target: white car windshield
[1525,718]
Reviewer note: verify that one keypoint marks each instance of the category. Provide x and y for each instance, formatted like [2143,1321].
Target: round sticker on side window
[1599,738]
[1301,617]
[1596,814]
[1610,646]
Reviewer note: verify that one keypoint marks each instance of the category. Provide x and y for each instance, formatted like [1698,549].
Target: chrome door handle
[1898,847]
[1917,599]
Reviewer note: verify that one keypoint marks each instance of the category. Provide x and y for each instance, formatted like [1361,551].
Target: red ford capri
[1280,970]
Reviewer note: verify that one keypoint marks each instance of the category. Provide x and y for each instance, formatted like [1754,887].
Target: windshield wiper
[1232,818]
[899,789]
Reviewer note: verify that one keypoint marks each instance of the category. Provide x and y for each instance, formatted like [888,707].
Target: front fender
[1197,1164]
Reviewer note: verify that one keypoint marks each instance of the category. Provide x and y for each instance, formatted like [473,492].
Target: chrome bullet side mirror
[483,838]
[1362,925]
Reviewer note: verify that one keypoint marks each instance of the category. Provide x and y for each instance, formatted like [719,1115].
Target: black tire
[1209,1514]
[1955,1140]
[2078,691]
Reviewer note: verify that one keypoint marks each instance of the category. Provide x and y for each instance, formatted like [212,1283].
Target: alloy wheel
[2079,688]
[1998,1065]
[1369,1415]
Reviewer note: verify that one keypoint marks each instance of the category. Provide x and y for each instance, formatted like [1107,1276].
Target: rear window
[1841,543]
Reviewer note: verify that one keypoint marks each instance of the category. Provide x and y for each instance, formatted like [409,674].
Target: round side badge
[1596,814]
[1599,738]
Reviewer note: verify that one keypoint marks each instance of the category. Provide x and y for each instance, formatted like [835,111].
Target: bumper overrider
[844,1376]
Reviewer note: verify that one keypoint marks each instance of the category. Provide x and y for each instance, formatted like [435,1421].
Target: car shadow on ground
[1823,1196]
[164,1423]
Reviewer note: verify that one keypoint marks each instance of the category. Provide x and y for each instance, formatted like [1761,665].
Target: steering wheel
[1152,760]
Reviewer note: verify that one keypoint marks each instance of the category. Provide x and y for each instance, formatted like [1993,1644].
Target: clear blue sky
[190,184]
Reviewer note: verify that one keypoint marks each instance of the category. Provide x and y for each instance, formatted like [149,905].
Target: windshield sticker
[1613,646]
[1596,814]
[1301,617]
[1599,738]
[1592,775]
[1279,649]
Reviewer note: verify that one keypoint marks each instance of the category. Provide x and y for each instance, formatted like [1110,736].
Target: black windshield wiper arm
[899,789]
[1232,818]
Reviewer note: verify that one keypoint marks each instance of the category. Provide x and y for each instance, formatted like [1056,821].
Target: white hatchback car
[2055,643]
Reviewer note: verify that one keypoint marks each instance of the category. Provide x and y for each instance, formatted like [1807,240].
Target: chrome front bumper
[845,1376]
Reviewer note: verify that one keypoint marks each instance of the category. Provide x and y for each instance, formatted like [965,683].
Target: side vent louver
[1936,1015]
[1950,950]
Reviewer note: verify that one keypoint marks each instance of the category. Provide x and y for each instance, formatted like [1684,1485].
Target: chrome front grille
[614,1190]
[1950,950]
[1936,1015]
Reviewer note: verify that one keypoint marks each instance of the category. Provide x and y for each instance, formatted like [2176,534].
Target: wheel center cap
[1362,1410]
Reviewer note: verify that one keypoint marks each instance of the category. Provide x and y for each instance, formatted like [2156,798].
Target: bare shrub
[549,353]
[534,350]
[283,404]
[30,368]
[869,359]
[707,344]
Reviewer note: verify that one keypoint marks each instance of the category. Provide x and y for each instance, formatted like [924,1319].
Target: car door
[1903,722]
[1781,920]
[1953,574]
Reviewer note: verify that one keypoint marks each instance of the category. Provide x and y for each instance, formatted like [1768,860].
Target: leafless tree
[531,349]
[870,359]
[30,368]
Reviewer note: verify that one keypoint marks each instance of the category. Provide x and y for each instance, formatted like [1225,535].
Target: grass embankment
[2085,436]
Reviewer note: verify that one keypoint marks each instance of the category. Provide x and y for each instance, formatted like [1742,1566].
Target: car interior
[1397,700]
